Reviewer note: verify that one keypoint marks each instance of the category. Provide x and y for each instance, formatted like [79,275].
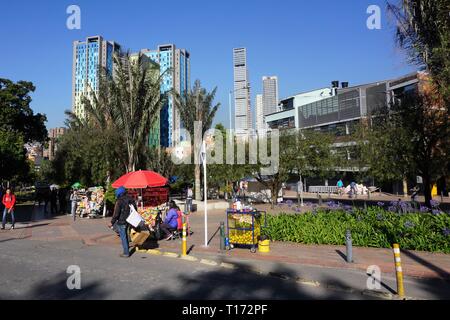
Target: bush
[374,227]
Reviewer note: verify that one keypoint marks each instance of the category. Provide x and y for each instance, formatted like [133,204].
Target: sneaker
[168,237]
[124,255]
[12,228]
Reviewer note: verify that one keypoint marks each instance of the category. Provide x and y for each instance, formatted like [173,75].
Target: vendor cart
[244,228]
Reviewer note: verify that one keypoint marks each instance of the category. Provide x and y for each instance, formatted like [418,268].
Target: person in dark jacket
[119,219]
[62,196]
[53,201]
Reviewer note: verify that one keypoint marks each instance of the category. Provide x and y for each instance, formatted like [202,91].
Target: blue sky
[306,44]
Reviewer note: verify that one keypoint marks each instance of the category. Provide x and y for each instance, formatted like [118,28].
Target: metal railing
[323,189]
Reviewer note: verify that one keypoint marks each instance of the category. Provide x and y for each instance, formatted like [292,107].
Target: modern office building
[259,113]
[175,66]
[338,109]
[270,94]
[242,118]
[335,109]
[89,57]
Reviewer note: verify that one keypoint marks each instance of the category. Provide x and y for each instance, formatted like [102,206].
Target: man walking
[9,201]
[119,219]
[189,197]
[73,204]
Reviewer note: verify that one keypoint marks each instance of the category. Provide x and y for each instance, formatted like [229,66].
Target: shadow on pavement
[240,283]
[56,289]
[442,273]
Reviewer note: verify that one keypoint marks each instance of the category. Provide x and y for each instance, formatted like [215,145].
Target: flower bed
[374,227]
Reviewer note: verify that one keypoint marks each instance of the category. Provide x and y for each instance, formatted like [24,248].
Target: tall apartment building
[53,135]
[270,95]
[259,118]
[178,79]
[242,119]
[89,57]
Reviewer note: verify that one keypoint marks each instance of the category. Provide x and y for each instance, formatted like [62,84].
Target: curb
[284,277]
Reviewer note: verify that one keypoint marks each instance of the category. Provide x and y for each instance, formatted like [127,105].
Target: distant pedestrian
[353,191]
[340,186]
[62,195]
[73,204]
[189,196]
[9,201]
[53,201]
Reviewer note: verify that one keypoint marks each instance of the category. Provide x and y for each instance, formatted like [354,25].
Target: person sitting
[170,224]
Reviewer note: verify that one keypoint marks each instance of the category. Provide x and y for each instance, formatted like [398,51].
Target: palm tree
[423,30]
[128,102]
[196,105]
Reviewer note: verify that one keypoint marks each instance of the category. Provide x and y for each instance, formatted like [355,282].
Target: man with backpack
[119,219]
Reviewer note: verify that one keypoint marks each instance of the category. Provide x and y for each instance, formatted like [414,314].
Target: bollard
[398,271]
[222,236]
[348,244]
[183,243]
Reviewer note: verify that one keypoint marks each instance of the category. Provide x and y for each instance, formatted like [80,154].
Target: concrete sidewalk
[95,232]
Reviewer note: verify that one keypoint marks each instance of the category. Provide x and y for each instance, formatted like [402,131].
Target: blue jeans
[5,212]
[124,237]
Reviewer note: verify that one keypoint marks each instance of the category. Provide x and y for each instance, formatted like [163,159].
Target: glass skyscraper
[89,57]
[175,68]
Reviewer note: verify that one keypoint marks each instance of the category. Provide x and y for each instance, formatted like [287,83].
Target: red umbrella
[140,179]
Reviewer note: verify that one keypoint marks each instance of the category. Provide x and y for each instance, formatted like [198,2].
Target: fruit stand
[244,227]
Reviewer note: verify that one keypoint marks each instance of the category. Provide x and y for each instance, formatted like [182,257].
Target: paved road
[37,270]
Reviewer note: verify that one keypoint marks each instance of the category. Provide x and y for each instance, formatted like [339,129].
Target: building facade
[270,95]
[175,68]
[259,113]
[242,118]
[53,135]
[89,57]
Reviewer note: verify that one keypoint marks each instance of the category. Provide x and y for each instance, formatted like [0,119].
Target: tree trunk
[427,190]
[405,188]
[198,195]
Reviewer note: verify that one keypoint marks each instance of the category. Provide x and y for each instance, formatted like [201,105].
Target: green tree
[423,30]
[14,165]
[129,102]
[309,153]
[196,105]
[411,137]
[16,114]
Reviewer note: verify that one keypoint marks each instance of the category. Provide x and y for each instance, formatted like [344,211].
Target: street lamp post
[203,158]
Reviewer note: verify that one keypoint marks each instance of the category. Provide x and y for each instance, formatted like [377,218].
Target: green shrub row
[374,227]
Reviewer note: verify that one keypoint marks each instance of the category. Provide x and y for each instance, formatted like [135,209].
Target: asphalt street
[38,270]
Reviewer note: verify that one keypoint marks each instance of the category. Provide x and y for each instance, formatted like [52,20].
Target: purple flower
[289,203]
[380,204]
[424,209]
[436,212]
[308,204]
[434,203]
[392,209]
[393,203]
[348,207]
[446,232]
[409,224]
